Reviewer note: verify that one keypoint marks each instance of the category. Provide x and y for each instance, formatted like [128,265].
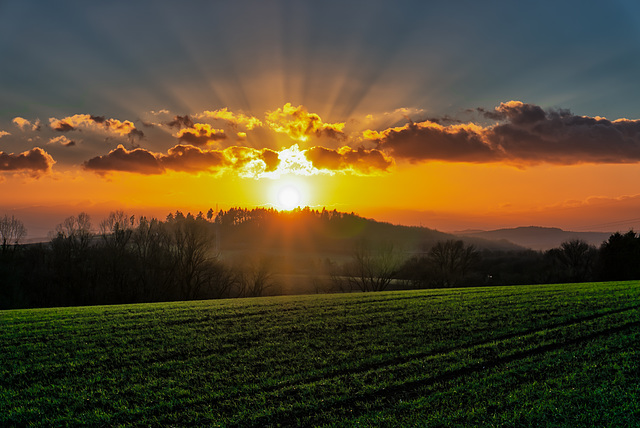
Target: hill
[536,238]
[552,355]
[325,233]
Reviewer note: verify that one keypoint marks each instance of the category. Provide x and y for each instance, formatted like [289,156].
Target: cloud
[235,119]
[140,161]
[524,134]
[361,161]
[180,122]
[245,161]
[36,161]
[192,159]
[87,121]
[24,124]
[299,124]
[432,141]
[200,134]
[62,140]
[4,133]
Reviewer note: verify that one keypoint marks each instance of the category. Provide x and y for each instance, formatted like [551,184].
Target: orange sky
[449,195]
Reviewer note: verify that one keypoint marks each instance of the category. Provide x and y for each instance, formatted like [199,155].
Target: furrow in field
[444,368]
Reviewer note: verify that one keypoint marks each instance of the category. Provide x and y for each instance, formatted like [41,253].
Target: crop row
[316,359]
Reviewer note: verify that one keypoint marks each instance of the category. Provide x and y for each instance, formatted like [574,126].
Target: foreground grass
[553,355]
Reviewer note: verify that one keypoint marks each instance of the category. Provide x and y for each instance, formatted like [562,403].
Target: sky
[451,115]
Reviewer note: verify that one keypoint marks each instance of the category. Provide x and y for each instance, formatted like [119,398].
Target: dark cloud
[140,161]
[431,141]
[192,159]
[180,122]
[358,160]
[443,119]
[524,134]
[35,160]
[135,133]
[517,113]
[98,119]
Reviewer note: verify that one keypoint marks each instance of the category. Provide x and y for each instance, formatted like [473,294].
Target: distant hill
[537,238]
[325,233]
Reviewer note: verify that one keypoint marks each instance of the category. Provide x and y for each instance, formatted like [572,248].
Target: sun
[289,197]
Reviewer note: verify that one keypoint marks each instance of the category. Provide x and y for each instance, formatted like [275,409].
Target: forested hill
[325,231]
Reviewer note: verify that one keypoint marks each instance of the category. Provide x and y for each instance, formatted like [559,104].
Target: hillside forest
[247,253]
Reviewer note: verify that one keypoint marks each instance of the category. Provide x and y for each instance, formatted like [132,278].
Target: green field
[549,355]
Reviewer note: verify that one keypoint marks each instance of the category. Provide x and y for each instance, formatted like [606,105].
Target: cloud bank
[524,134]
[184,158]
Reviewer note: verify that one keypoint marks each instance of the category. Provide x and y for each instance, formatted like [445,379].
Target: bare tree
[116,231]
[254,278]
[74,270]
[76,230]
[12,231]
[192,242]
[372,267]
[152,247]
[451,261]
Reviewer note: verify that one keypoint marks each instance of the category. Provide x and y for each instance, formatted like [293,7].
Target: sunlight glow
[288,197]
[292,162]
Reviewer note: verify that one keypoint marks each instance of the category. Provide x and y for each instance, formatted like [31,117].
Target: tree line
[452,263]
[131,259]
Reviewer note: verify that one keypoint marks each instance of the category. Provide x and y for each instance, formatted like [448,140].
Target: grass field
[549,355]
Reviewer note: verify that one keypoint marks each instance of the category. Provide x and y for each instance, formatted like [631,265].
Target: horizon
[45,234]
[403,112]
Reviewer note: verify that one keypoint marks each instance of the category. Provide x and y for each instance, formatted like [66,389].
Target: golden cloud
[185,158]
[115,126]
[299,124]
[234,119]
[24,124]
[200,134]
[62,140]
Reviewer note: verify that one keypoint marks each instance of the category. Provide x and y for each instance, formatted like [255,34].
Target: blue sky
[122,58]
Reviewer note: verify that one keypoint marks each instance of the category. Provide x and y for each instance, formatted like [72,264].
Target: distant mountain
[537,238]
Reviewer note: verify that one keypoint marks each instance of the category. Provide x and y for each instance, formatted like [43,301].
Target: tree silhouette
[620,257]
[573,261]
[12,231]
[372,267]
[451,260]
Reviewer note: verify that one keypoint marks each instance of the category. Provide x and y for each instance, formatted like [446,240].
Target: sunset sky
[451,115]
